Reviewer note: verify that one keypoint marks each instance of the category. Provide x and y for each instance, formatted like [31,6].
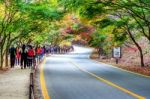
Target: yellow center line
[109,83]
[42,81]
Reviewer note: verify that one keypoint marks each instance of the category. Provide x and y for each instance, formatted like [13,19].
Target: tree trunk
[1,54]
[137,45]
[1,58]
[7,50]
[142,57]
[101,52]
[6,58]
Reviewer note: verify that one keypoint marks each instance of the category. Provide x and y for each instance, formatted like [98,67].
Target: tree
[129,17]
[133,18]
[17,22]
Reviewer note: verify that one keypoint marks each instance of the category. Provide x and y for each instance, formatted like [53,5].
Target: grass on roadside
[129,67]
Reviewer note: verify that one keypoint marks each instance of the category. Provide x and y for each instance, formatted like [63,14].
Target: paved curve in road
[74,76]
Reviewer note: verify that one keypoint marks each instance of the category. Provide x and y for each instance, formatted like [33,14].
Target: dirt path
[14,84]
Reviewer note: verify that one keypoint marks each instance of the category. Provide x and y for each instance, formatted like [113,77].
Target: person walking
[23,57]
[38,54]
[44,49]
[12,51]
[31,55]
[42,52]
[18,56]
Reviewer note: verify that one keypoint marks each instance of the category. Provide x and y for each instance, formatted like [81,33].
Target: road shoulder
[15,84]
[142,71]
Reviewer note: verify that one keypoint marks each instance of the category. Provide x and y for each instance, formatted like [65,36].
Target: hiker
[23,57]
[72,48]
[30,57]
[47,50]
[42,52]
[38,53]
[44,49]
[12,52]
[18,56]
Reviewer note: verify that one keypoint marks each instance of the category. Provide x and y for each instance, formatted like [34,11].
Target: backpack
[30,52]
[39,50]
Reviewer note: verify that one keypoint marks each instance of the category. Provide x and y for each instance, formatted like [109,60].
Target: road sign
[117,52]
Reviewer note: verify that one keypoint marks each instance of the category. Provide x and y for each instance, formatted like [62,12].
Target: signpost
[117,53]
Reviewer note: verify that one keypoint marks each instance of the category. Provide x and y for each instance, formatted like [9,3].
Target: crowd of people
[28,55]
[55,49]
[25,55]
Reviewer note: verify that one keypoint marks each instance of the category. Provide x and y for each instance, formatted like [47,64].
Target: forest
[102,24]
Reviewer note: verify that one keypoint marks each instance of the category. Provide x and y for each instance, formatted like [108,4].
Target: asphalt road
[75,76]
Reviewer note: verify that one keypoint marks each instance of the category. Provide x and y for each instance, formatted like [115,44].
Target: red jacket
[39,51]
[31,53]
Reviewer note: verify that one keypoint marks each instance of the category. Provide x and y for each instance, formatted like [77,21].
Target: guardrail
[31,86]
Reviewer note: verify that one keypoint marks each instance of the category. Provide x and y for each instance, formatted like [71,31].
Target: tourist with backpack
[18,56]
[24,56]
[12,52]
[30,57]
[38,53]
